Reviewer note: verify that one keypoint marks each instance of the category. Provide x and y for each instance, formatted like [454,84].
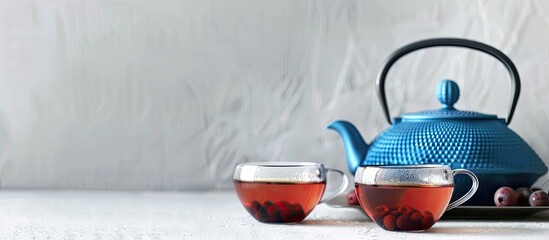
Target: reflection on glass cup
[283,192]
[408,197]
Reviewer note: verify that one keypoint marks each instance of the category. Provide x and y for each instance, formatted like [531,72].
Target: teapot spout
[355,147]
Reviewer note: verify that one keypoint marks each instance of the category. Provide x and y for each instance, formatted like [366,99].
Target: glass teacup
[408,197]
[283,192]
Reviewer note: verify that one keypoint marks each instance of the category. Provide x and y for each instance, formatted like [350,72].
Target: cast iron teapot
[479,142]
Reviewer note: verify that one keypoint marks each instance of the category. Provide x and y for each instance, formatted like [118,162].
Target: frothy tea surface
[279,202]
[404,208]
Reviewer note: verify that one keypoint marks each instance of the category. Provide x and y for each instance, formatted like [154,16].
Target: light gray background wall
[170,95]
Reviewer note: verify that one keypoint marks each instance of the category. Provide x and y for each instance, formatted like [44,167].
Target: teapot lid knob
[447,93]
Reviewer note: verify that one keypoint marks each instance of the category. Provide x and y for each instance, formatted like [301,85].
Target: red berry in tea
[427,222]
[296,213]
[255,206]
[539,198]
[285,210]
[263,214]
[279,202]
[297,208]
[351,198]
[382,210]
[505,196]
[283,205]
[416,216]
[396,213]
[274,213]
[278,212]
[389,222]
[267,203]
[300,214]
[403,218]
[254,209]
[404,208]
[404,222]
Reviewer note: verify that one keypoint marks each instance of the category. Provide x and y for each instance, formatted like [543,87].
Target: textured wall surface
[158,95]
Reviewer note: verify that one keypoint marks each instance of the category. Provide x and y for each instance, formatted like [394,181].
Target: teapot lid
[447,95]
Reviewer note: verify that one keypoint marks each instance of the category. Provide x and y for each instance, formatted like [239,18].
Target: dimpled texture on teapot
[479,145]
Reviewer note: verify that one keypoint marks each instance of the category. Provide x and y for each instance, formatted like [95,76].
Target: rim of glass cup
[280,164]
[294,172]
[406,166]
[367,175]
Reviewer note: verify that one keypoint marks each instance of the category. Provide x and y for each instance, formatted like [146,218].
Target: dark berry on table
[427,222]
[352,198]
[389,222]
[267,203]
[427,212]
[505,196]
[523,194]
[539,198]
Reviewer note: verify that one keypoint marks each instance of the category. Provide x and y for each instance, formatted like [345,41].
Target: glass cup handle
[342,187]
[471,191]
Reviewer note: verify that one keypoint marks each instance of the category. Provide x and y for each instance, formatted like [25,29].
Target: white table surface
[211,215]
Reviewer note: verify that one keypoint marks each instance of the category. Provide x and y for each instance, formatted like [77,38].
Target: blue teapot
[479,142]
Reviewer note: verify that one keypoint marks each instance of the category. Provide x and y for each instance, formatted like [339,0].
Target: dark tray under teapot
[489,182]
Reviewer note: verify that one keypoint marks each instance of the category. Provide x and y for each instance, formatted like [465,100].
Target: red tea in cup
[282,192]
[407,208]
[408,197]
[279,202]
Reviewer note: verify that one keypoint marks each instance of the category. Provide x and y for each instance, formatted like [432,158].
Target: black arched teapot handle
[447,42]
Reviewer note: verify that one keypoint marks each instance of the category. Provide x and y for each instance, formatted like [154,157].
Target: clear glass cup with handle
[283,192]
[408,197]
